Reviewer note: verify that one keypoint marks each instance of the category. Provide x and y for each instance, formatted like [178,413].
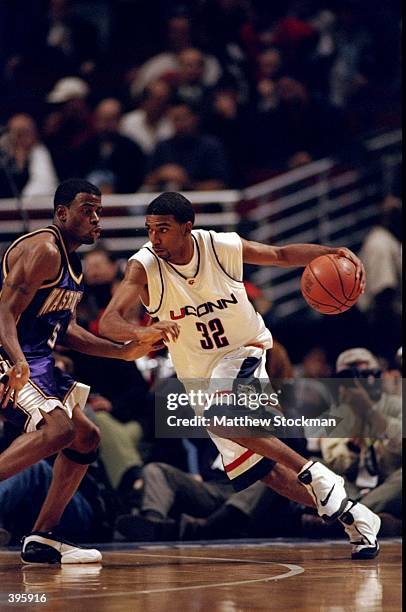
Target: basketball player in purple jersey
[41,285]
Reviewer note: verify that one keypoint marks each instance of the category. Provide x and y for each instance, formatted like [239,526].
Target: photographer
[370,459]
[26,166]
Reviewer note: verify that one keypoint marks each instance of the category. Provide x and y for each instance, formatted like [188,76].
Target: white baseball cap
[68,88]
[346,359]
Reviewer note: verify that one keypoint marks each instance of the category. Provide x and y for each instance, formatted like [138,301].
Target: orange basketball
[329,285]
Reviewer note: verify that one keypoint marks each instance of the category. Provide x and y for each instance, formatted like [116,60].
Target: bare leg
[56,432]
[67,474]
[66,479]
[274,449]
[284,481]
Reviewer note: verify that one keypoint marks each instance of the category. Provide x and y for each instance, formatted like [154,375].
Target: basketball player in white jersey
[194,277]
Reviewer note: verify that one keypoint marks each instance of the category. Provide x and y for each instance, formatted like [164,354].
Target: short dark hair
[69,189]
[172,203]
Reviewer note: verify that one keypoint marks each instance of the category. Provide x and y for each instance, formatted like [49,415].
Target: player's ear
[60,213]
[188,227]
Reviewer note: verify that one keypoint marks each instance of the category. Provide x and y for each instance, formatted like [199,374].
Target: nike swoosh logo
[325,501]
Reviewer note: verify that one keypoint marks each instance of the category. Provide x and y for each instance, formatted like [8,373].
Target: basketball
[329,284]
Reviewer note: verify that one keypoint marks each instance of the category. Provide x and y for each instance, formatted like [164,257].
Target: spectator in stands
[119,448]
[149,124]
[221,24]
[296,37]
[89,516]
[26,165]
[102,273]
[188,160]
[224,120]
[269,64]
[189,82]
[169,492]
[314,364]
[352,48]
[73,40]
[245,514]
[179,37]
[392,376]
[298,130]
[17,514]
[368,452]
[59,37]
[312,396]
[110,160]
[310,129]
[68,125]
[371,460]
[381,253]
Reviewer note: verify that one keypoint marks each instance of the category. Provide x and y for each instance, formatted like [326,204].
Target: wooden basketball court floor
[279,575]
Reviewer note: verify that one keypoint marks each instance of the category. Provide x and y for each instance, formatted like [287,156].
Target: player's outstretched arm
[116,322]
[81,340]
[296,255]
[37,262]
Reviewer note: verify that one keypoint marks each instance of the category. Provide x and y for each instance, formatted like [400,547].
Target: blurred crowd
[203,94]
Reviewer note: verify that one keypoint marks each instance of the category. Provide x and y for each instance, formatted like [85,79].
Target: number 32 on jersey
[213,334]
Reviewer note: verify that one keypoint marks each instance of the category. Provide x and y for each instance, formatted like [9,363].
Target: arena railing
[123,216]
[323,202]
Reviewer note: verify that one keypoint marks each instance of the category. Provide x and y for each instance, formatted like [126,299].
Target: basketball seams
[324,288]
[312,299]
[335,308]
[331,258]
[327,285]
[349,297]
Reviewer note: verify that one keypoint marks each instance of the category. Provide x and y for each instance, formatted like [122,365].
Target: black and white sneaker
[42,547]
[362,527]
[326,488]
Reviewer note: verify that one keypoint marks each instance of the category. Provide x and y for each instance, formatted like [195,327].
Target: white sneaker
[326,488]
[41,547]
[362,526]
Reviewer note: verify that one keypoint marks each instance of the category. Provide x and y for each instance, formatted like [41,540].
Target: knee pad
[81,458]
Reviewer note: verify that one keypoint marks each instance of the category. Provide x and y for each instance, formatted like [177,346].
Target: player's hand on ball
[163,330]
[360,270]
[15,379]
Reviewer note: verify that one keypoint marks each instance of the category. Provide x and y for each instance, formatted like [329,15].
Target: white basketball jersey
[211,308]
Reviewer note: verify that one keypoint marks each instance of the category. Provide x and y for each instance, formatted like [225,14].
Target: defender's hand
[134,350]
[360,270]
[13,381]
